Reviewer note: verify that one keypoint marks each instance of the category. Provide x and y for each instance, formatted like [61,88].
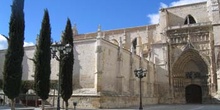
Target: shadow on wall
[176,20]
[76,71]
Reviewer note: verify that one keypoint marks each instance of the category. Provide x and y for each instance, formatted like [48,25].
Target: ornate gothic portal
[190,78]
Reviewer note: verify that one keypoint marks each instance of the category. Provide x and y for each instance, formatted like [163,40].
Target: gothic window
[189,20]
[134,44]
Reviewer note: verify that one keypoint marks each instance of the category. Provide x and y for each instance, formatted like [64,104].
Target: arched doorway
[189,71]
[193,94]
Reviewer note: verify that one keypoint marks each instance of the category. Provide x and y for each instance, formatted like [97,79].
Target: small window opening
[134,43]
[189,20]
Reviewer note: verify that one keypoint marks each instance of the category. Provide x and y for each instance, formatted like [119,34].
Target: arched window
[189,20]
[134,44]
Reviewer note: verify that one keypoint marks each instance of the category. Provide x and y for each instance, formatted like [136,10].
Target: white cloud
[154,18]
[28,44]
[4,43]
[2,38]
[184,2]
[163,5]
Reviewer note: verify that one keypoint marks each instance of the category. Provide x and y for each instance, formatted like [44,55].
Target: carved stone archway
[190,68]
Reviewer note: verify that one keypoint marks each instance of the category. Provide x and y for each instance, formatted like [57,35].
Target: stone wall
[177,15]
[120,87]
[84,64]
[28,67]
[2,57]
[115,83]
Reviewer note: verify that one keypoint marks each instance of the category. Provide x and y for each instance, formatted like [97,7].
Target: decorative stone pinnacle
[74,26]
[120,42]
[75,31]
[99,28]
[99,31]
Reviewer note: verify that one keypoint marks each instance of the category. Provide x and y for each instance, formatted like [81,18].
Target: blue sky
[86,14]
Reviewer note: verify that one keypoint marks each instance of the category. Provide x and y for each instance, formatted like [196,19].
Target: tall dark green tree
[14,56]
[66,65]
[42,58]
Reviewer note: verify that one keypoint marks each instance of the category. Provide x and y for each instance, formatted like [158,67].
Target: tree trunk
[12,104]
[54,96]
[67,104]
[63,103]
[42,104]
[35,97]
[26,99]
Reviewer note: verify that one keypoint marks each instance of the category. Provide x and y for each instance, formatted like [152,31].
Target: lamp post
[74,104]
[62,50]
[140,73]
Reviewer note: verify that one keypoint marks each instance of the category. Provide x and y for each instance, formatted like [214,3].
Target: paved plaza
[148,107]
[180,107]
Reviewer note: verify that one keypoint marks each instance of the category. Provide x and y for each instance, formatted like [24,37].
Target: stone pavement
[147,107]
[178,107]
[165,107]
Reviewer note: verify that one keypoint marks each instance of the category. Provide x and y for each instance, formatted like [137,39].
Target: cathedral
[181,55]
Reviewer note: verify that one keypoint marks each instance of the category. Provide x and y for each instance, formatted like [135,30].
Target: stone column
[131,80]
[139,46]
[119,66]
[98,74]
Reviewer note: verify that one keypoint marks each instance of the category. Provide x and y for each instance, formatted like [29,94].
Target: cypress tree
[66,67]
[12,72]
[42,58]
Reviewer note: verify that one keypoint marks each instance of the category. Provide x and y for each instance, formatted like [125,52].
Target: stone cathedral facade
[181,54]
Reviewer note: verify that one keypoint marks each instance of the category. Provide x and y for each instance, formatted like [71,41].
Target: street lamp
[62,50]
[74,104]
[140,73]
